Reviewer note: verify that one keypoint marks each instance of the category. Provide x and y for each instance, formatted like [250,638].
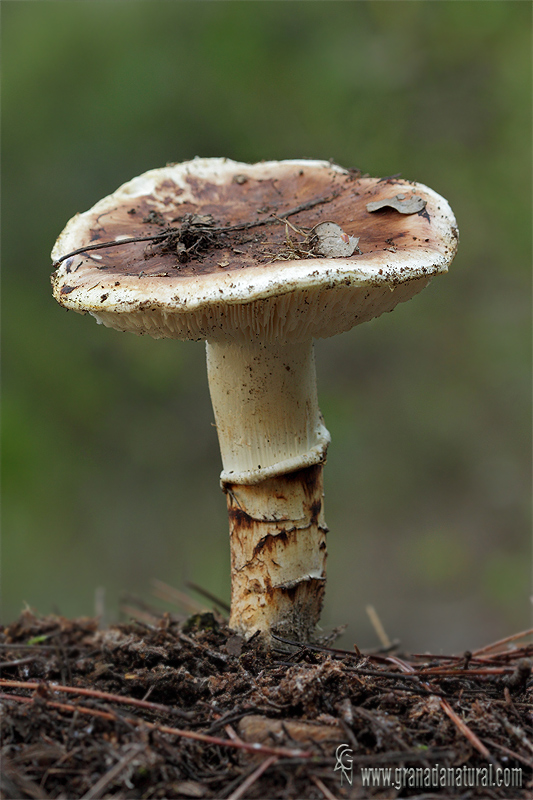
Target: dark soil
[170,709]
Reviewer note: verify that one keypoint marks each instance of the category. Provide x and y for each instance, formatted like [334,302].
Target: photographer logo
[343,754]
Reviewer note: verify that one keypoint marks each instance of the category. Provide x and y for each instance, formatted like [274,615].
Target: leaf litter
[162,707]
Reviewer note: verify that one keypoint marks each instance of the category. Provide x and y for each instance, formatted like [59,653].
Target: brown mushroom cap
[251,282]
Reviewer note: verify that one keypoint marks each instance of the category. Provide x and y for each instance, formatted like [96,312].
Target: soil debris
[199,233]
[195,234]
[166,708]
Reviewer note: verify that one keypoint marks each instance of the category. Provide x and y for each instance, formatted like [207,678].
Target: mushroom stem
[273,444]
[278,554]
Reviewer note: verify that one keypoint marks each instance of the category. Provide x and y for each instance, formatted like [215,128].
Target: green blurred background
[111,463]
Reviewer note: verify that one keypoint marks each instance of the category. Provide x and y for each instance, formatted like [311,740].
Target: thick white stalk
[266,409]
[273,444]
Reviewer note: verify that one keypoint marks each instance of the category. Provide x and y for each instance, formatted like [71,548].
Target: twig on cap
[173,231]
[101,245]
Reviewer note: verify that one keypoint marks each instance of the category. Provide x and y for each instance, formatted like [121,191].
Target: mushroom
[257,260]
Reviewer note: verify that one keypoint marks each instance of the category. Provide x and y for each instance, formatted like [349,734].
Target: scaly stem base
[278,554]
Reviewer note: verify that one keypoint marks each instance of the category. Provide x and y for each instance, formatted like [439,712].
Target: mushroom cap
[268,279]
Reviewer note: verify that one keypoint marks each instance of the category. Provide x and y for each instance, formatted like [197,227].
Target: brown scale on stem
[271,587]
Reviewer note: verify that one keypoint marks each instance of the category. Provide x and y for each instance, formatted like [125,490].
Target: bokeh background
[110,460]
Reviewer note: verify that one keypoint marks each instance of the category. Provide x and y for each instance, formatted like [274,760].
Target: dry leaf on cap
[409,205]
[333,242]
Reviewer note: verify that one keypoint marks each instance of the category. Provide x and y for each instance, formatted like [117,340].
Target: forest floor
[166,708]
